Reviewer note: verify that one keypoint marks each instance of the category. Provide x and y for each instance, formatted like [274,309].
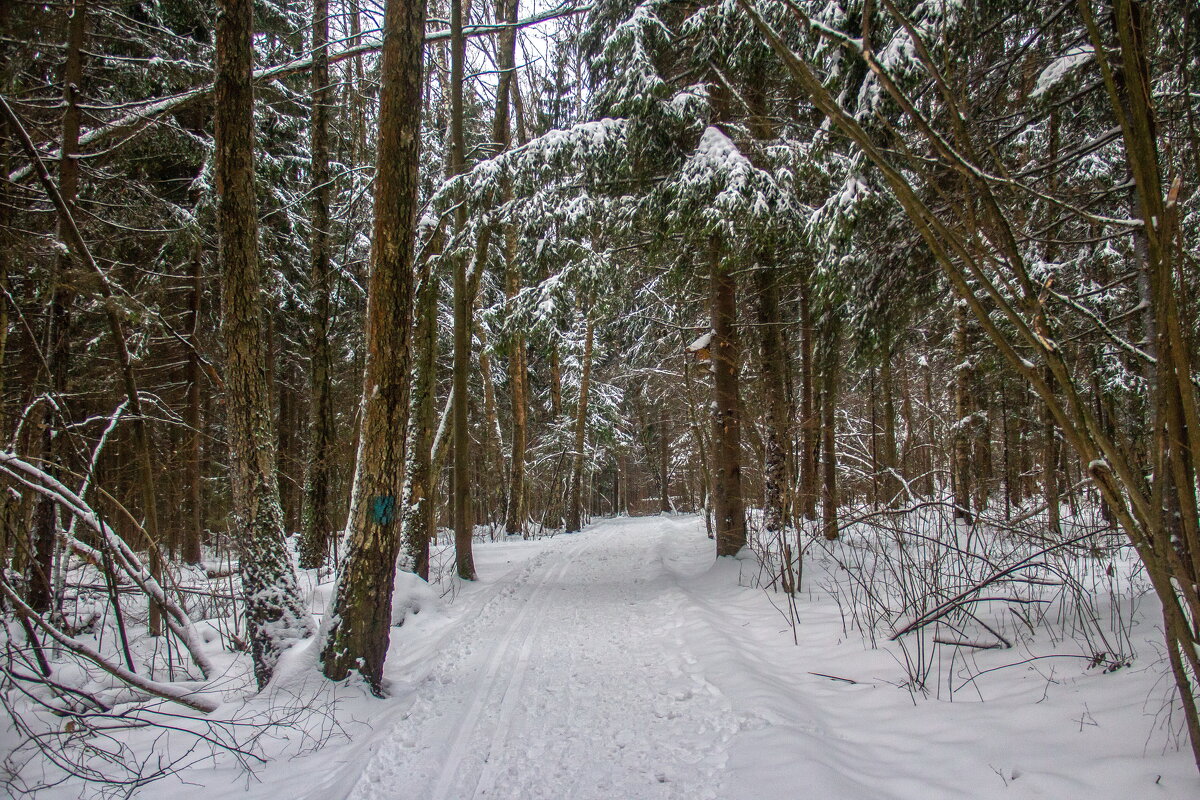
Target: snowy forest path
[573,680]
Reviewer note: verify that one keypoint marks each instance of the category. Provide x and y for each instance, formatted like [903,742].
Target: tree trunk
[514,521]
[961,473]
[893,487]
[810,427]
[491,483]
[361,613]
[290,494]
[318,496]
[830,367]
[58,333]
[575,509]
[926,485]
[727,440]
[193,536]
[555,382]
[8,504]
[420,523]
[773,368]
[664,473]
[981,449]
[463,524]
[275,615]
[701,450]
[514,518]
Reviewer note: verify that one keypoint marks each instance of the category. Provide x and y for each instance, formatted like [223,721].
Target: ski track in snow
[578,683]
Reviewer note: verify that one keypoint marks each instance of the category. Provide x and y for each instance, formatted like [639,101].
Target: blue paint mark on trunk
[383,509]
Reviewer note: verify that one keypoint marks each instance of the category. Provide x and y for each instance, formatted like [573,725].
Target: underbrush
[112,708]
[942,593]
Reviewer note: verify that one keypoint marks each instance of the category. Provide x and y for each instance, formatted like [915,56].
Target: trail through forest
[576,681]
[620,662]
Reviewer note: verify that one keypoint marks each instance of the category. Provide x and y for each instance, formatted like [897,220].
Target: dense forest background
[918,271]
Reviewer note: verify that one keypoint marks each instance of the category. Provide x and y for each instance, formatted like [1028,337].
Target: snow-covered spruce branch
[47,485]
[135,121]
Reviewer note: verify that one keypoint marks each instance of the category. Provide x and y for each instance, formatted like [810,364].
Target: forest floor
[620,663]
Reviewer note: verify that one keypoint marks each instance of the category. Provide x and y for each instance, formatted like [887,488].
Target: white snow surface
[701,343]
[621,663]
[1061,67]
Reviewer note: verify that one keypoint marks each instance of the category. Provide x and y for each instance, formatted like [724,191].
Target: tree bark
[893,487]
[729,511]
[318,495]
[773,368]
[575,509]
[58,333]
[463,524]
[361,615]
[514,517]
[492,490]
[420,523]
[810,427]
[829,391]
[275,615]
[193,535]
[701,450]
[555,382]
[664,473]
[926,485]
[514,521]
[961,473]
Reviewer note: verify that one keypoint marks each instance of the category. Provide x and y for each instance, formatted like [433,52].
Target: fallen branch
[165,691]
[955,602]
[47,485]
[965,643]
[834,678]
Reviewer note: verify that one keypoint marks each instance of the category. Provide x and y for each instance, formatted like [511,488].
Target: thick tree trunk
[318,496]
[1008,454]
[729,511]
[981,449]
[575,507]
[361,613]
[622,483]
[275,615]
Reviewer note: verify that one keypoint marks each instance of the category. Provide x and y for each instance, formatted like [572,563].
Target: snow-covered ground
[620,663]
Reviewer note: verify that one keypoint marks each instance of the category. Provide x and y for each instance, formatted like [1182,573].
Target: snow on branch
[167,691]
[123,555]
